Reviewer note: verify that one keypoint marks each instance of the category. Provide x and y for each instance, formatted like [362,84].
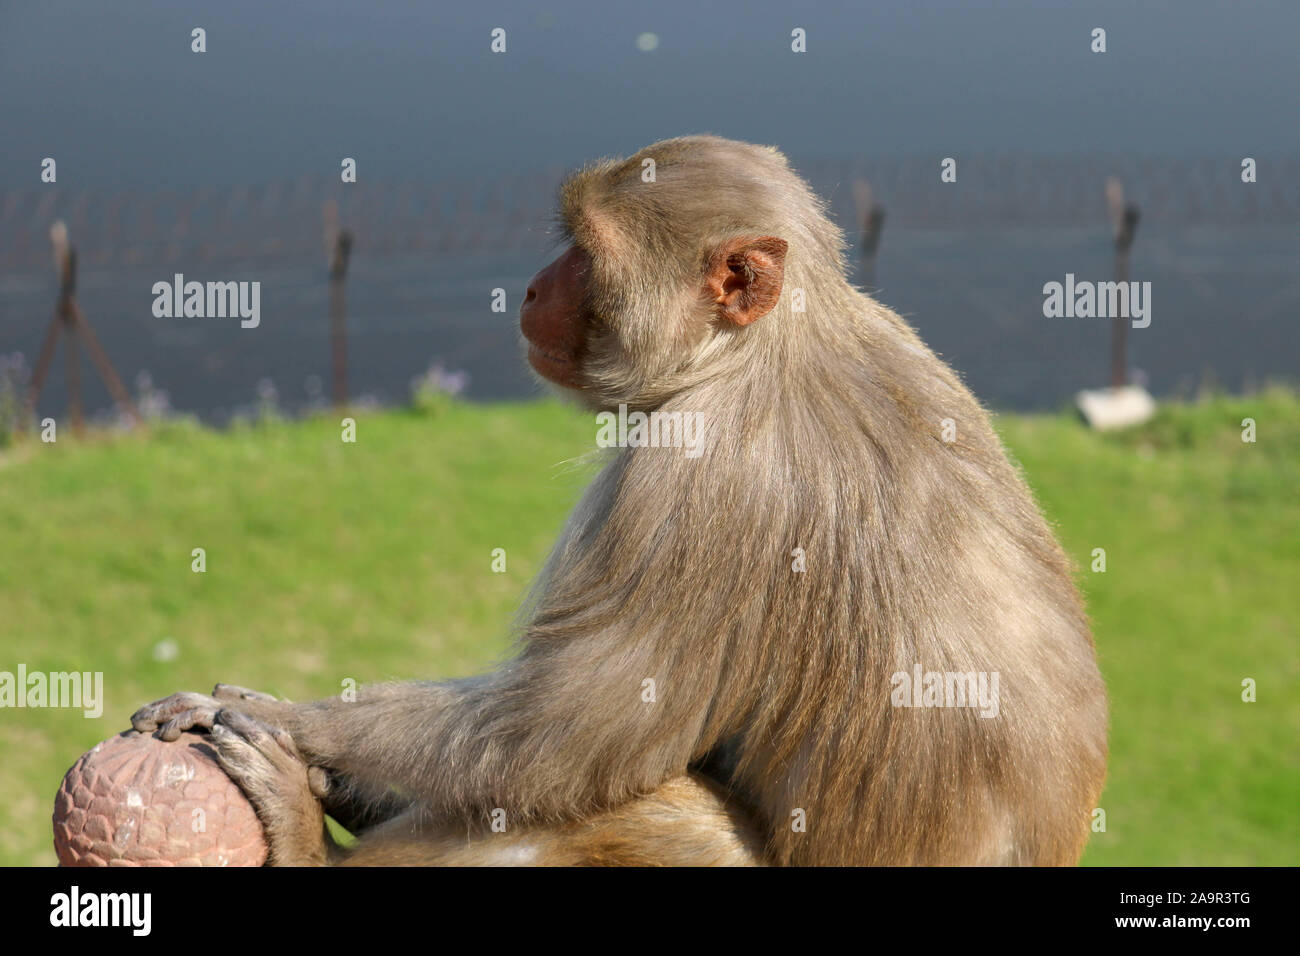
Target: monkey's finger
[283,738]
[262,736]
[274,745]
[235,692]
[152,716]
[247,727]
[227,742]
[187,720]
[245,764]
[318,781]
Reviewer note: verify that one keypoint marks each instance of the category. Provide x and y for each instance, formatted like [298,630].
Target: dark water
[1225,302]
[412,91]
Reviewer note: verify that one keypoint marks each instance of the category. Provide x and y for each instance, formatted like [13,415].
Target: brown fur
[822,433]
[685,822]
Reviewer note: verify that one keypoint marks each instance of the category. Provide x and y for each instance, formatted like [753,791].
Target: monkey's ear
[744,276]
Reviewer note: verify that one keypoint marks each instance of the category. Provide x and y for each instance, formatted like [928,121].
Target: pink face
[551,318]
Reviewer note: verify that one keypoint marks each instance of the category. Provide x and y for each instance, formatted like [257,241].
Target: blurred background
[224,165]
[217,165]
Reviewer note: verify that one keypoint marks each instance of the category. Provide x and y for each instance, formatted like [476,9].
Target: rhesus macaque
[850,522]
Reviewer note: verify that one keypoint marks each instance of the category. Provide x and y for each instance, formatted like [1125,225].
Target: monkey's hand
[184,711]
[284,791]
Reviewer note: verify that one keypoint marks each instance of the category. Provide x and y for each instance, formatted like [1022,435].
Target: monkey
[850,525]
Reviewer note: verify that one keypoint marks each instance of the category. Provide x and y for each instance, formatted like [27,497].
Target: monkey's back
[894,537]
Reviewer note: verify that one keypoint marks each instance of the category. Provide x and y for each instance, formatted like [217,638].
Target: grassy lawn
[372,561]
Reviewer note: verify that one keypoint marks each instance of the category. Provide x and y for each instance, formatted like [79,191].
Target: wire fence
[282,220]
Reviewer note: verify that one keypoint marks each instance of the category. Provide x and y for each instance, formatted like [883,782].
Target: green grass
[1201,590]
[372,560]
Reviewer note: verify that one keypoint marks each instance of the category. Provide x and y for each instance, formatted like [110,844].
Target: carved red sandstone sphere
[135,800]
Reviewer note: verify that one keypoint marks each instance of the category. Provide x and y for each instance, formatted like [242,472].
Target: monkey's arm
[556,732]
[565,727]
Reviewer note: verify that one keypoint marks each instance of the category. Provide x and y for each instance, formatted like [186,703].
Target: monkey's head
[674,256]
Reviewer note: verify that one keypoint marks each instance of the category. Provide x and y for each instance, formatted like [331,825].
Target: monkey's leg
[686,822]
